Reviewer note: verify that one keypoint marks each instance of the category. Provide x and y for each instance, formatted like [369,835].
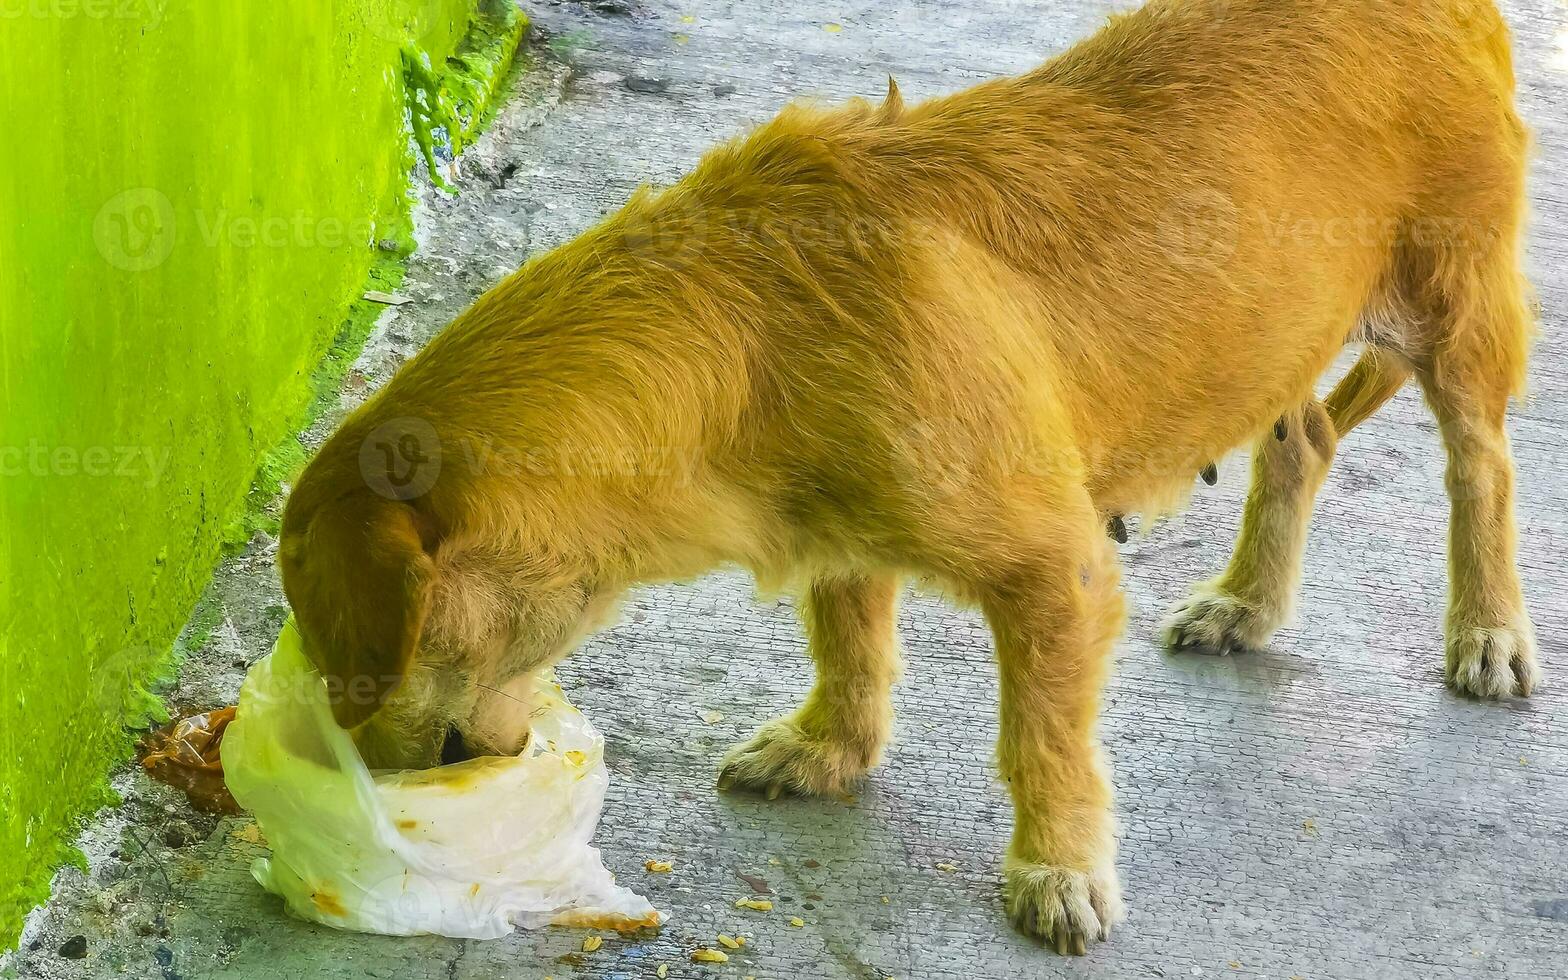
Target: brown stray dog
[950,341]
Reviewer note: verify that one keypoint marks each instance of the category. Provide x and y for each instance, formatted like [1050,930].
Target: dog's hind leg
[1243,607]
[838,733]
[1477,364]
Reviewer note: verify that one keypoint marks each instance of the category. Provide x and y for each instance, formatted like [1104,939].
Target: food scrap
[185,754]
[581,919]
[659,867]
[709,956]
[758,885]
[592,943]
[947,866]
[755,904]
[663,971]
[798,922]
[730,942]
[249,833]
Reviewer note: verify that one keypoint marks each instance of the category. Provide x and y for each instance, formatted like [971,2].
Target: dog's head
[424,640]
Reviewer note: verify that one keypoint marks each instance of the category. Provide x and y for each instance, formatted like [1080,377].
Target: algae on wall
[190,198]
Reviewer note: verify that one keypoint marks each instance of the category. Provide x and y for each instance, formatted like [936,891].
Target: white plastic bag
[469,850]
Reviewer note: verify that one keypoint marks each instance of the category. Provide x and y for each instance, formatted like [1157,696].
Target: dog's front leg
[1055,617]
[837,734]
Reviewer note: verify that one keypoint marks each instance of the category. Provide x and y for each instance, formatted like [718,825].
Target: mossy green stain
[452,105]
[177,275]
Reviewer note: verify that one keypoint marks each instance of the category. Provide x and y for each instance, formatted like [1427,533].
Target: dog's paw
[1492,662]
[1216,619]
[783,758]
[1069,910]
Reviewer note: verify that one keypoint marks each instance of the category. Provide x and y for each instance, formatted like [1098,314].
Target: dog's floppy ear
[359,577]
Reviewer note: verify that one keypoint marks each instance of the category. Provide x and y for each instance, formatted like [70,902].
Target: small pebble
[74,948]
[179,835]
[648,86]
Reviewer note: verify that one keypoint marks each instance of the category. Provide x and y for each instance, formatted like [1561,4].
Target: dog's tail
[1374,380]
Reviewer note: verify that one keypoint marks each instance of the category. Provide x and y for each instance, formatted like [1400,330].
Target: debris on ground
[758,885]
[387,299]
[186,754]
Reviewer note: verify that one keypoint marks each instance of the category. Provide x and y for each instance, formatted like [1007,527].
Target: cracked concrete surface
[1324,809]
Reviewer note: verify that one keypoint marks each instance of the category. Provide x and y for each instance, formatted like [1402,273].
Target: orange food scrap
[186,754]
[327,903]
[592,943]
[659,867]
[250,834]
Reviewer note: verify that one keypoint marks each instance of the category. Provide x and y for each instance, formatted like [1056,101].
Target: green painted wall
[189,193]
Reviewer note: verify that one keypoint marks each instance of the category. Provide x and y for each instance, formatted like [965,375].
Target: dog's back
[1186,216]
